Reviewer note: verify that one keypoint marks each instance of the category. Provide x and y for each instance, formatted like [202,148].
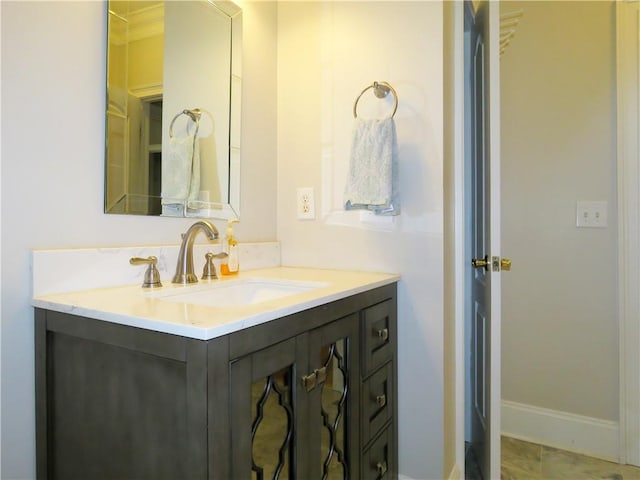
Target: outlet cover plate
[591,214]
[305,203]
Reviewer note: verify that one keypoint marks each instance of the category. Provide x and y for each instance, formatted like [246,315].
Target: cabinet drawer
[377,402]
[379,335]
[378,462]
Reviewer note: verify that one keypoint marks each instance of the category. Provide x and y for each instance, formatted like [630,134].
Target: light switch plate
[590,214]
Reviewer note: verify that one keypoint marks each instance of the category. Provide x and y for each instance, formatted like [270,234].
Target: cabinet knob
[383,333]
[317,377]
[321,375]
[381,400]
[309,381]
[381,467]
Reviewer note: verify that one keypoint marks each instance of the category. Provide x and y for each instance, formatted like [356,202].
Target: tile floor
[524,460]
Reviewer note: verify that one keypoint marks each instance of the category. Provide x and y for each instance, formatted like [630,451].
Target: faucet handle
[151,276]
[209,271]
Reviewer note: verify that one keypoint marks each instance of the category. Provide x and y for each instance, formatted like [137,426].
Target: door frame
[454,157]
[455,147]
[628,183]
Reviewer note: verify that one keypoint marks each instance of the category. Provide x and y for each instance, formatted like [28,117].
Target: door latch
[481,262]
[497,264]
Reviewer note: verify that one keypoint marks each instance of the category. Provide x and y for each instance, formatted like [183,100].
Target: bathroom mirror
[173,108]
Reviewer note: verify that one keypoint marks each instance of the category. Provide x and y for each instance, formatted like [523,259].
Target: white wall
[53,81]
[327,53]
[52,169]
[559,346]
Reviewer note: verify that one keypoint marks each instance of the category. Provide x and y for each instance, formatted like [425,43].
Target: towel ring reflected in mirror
[193,114]
[381,90]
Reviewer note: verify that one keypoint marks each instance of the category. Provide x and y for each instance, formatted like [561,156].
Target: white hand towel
[181,170]
[194,186]
[372,182]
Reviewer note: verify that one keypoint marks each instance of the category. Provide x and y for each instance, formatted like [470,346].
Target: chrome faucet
[184,268]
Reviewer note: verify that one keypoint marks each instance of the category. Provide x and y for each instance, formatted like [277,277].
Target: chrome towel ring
[193,114]
[381,90]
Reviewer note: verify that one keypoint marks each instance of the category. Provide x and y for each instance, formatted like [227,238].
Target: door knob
[480,263]
[497,264]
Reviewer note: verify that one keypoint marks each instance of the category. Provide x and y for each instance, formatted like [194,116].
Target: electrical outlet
[305,205]
[591,214]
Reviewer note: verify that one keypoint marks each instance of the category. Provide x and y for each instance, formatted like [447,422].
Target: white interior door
[482,72]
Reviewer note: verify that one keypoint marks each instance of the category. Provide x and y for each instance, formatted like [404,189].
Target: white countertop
[137,307]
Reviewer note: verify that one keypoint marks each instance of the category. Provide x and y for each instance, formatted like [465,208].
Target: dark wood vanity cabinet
[307,396]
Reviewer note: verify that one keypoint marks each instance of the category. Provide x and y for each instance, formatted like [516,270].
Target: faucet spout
[184,268]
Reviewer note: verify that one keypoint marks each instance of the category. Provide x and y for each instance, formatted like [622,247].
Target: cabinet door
[294,407]
[265,413]
[333,402]
[115,402]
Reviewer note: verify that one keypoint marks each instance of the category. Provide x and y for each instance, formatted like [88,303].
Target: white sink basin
[237,293]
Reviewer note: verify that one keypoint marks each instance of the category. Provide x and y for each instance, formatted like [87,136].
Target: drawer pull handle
[309,381]
[383,333]
[381,400]
[382,468]
[321,375]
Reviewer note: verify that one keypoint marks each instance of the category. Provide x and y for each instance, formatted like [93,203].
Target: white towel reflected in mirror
[181,170]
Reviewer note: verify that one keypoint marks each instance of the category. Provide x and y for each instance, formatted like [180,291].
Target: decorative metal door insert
[272,426]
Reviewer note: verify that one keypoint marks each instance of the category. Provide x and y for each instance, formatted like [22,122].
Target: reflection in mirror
[173,109]
[272,426]
[333,445]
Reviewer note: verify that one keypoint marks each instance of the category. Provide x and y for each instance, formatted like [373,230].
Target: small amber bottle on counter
[231,264]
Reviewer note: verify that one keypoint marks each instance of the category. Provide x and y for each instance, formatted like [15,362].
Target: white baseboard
[575,433]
